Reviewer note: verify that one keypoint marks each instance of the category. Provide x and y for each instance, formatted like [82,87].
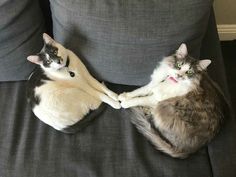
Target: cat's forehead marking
[185,67]
[47,56]
[50,47]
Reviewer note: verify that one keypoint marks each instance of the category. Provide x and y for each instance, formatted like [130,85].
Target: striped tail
[144,125]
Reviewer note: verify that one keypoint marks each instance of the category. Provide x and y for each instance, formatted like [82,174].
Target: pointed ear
[47,39]
[182,51]
[34,59]
[203,64]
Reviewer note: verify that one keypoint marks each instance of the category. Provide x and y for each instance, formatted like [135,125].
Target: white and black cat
[61,90]
[181,109]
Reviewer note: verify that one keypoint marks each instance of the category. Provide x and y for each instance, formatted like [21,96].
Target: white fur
[64,100]
[62,105]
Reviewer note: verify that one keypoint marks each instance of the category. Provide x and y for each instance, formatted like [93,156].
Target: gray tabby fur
[188,118]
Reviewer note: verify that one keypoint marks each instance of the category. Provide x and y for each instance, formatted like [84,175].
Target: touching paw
[123,96]
[125,104]
[116,105]
[113,95]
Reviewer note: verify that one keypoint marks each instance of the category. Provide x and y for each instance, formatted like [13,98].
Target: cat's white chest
[168,89]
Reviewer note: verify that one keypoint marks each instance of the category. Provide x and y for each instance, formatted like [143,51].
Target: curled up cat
[181,109]
[61,90]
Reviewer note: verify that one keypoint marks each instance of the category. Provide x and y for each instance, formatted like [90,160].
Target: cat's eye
[54,51]
[189,72]
[178,65]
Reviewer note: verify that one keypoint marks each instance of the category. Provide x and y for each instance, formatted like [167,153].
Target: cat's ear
[182,51]
[203,64]
[47,39]
[34,59]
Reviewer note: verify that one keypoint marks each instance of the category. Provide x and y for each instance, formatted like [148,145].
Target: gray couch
[120,42]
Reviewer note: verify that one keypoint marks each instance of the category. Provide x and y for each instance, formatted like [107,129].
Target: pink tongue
[173,79]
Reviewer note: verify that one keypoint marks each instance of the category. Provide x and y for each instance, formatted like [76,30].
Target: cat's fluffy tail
[143,124]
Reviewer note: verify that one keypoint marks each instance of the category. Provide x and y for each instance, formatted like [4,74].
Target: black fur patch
[37,79]
[52,52]
[37,99]
[93,114]
[67,62]
[46,63]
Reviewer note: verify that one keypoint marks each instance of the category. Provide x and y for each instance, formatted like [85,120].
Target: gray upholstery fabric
[222,150]
[122,41]
[109,147]
[213,52]
[21,26]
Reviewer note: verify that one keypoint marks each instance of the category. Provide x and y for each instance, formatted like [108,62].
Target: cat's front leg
[142,91]
[99,86]
[100,95]
[110,93]
[108,100]
[91,81]
[148,101]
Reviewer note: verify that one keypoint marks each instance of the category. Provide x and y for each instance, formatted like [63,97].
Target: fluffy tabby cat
[181,109]
[61,89]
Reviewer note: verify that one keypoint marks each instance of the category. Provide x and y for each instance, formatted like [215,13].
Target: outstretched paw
[125,104]
[123,96]
[116,105]
[113,95]
[110,93]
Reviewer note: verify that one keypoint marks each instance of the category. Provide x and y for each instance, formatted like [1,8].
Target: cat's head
[53,55]
[183,68]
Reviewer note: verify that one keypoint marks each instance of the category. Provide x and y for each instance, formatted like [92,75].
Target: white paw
[124,104]
[116,105]
[123,96]
[113,95]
